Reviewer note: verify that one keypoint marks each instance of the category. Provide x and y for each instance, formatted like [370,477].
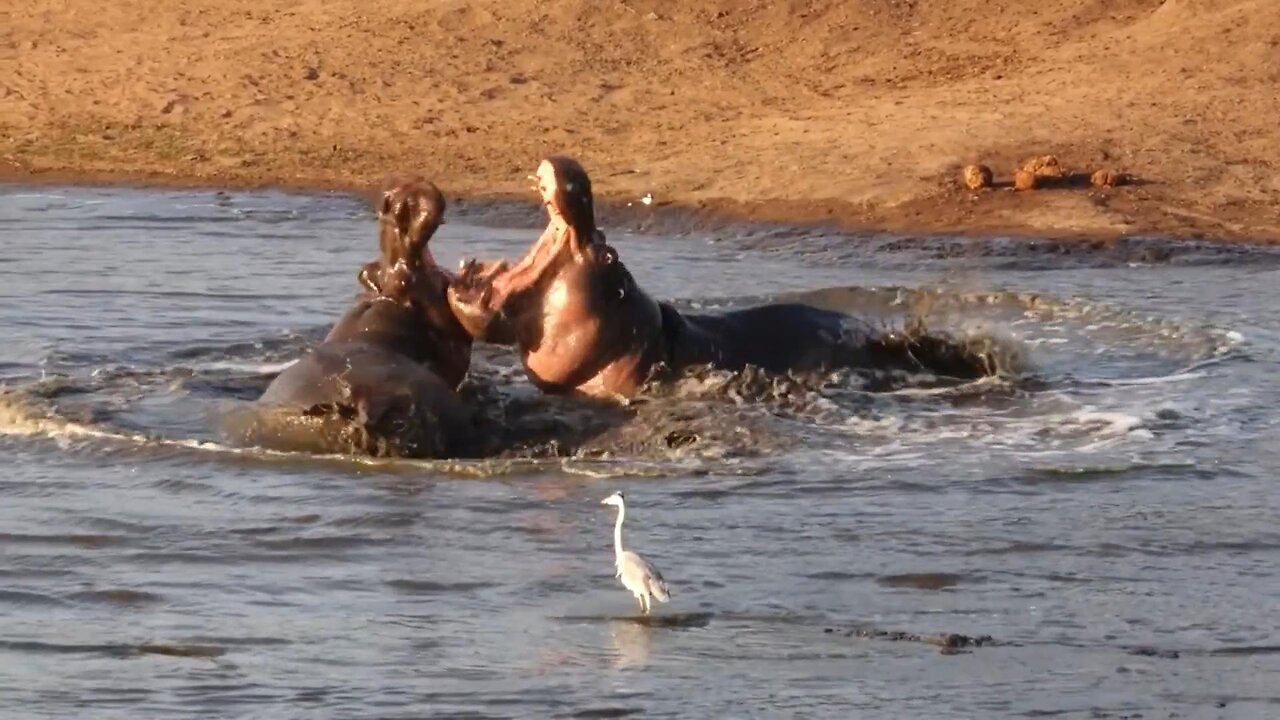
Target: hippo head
[406,273]
[408,215]
[484,295]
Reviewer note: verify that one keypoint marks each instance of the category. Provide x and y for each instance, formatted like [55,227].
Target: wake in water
[700,416]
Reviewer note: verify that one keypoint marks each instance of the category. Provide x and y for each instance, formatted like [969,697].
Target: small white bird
[637,574]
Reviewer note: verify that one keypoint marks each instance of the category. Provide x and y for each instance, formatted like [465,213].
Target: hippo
[582,324]
[383,381]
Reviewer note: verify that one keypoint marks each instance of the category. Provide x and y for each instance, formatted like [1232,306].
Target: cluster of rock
[1039,172]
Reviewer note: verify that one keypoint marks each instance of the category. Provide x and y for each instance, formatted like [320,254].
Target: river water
[1104,512]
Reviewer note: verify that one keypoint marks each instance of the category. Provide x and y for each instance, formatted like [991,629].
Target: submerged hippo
[582,323]
[383,381]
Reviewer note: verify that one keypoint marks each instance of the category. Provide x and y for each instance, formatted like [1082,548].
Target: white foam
[978,384]
[248,367]
[1154,380]
[1112,423]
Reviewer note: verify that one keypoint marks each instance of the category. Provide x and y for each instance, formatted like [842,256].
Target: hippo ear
[384,208]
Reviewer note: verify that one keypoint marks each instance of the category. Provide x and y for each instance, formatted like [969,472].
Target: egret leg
[644,603]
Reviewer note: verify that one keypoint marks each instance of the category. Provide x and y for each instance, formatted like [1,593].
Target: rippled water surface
[1108,516]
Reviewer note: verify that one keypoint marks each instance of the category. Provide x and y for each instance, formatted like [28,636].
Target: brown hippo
[581,322]
[383,380]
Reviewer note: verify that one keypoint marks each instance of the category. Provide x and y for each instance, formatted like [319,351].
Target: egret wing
[647,575]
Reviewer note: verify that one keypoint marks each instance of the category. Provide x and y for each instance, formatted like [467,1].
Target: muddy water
[1106,514]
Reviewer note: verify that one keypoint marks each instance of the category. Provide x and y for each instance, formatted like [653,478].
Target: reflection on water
[631,642]
[1108,519]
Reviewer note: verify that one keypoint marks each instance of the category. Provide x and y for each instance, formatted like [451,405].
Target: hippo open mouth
[482,291]
[405,270]
[471,297]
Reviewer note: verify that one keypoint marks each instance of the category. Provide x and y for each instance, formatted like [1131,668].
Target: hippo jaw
[470,297]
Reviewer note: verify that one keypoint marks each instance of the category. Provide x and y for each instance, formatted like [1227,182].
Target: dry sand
[860,112]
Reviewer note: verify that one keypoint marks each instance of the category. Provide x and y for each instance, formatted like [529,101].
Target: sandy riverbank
[858,112]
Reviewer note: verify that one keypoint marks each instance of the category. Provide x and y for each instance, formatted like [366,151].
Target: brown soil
[860,112]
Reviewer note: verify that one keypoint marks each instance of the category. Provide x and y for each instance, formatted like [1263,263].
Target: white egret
[637,574]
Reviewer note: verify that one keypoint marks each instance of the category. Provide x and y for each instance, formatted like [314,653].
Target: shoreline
[520,210]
